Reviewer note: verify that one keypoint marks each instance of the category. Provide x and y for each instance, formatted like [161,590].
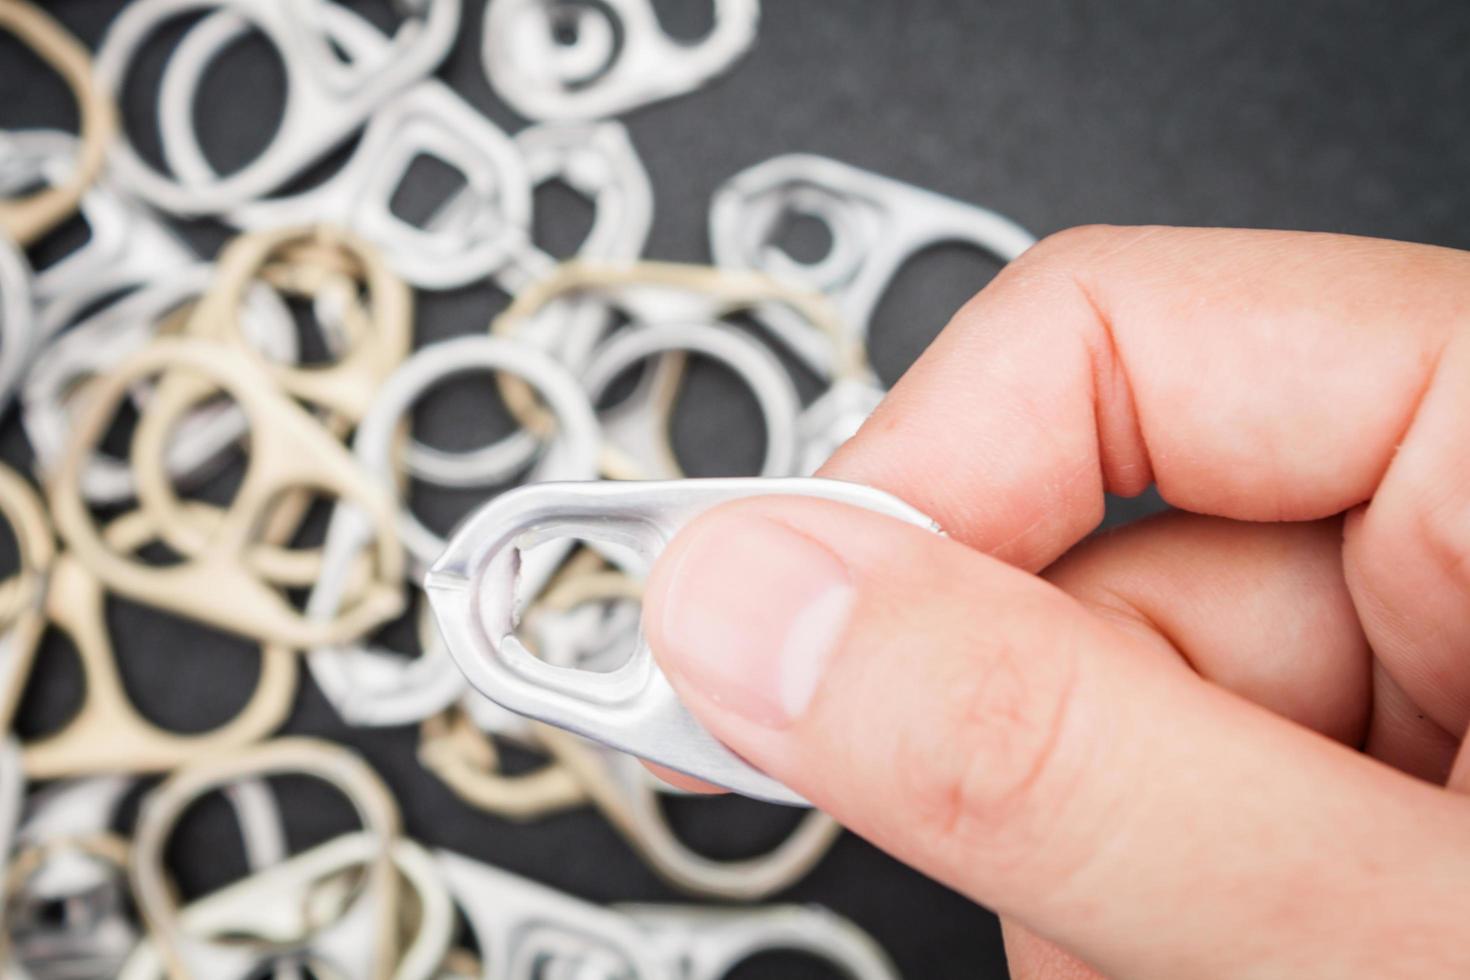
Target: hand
[1221,742]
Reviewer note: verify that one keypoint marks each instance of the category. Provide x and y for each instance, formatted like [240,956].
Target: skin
[1222,742]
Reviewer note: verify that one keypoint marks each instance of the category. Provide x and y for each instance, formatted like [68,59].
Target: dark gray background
[1341,116]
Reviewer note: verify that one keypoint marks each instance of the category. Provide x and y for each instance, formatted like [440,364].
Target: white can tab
[472,588]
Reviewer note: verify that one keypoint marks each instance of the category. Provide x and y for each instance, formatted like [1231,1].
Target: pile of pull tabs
[525,618]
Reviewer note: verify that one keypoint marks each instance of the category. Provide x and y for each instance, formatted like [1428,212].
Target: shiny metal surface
[473,590]
[366,683]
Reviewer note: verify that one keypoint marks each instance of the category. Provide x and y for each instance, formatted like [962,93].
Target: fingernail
[751,614]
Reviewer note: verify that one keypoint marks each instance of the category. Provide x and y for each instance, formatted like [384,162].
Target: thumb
[983,726]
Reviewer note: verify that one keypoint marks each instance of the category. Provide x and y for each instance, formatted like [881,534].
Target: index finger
[1255,375]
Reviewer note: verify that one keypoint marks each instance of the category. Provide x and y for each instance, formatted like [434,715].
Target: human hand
[1221,742]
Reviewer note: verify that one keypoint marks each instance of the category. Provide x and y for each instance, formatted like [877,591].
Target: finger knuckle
[1073,246]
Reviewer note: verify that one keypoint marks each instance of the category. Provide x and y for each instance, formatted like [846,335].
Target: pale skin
[1222,742]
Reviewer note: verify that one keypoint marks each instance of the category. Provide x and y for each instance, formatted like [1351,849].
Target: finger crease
[1107,359]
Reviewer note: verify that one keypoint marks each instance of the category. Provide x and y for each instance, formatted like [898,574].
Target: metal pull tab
[364,684]
[18,327]
[427,119]
[49,397]
[876,223]
[586,60]
[216,585]
[327,265]
[267,913]
[523,929]
[709,943]
[325,103]
[632,708]
[108,733]
[638,429]
[29,217]
[126,245]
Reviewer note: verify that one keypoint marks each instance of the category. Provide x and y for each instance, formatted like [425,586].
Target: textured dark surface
[1341,116]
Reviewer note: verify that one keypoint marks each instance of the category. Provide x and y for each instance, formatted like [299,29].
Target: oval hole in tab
[427,184]
[729,827]
[685,21]
[785,964]
[55,689]
[717,428]
[587,617]
[232,130]
[180,675]
[806,238]
[32,94]
[562,217]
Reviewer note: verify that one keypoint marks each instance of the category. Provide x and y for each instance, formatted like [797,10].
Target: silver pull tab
[326,103]
[472,588]
[586,60]
[877,224]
